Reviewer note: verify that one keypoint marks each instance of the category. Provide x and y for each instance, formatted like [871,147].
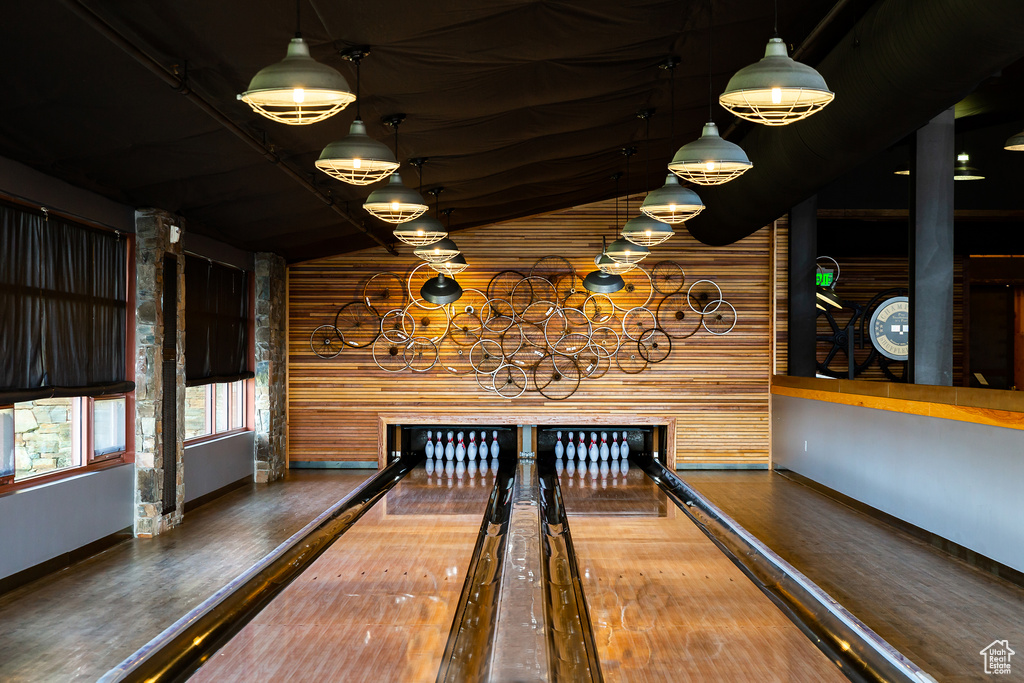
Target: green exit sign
[823,278]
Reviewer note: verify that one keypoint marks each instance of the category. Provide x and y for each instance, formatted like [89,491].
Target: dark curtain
[63,299]
[216,323]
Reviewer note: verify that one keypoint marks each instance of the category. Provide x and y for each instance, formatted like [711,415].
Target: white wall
[960,480]
[43,522]
[213,464]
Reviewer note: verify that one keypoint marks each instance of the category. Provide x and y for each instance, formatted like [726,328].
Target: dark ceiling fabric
[62,308]
[906,45]
[216,323]
[521,106]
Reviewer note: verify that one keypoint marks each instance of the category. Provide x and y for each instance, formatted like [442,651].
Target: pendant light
[441,290]
[777,90]
[452,266]
[357,159]
[1015,143]
[964,171]
[826,294]
[298,90]
[671,203]
[622,251]
[438,252]
[602,281]
[395,203]
[709,160]
[426,229]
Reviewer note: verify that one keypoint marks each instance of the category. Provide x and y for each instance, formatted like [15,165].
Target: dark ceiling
[521,107]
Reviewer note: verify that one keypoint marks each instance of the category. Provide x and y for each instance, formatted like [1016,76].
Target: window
[108,427]
[214,409]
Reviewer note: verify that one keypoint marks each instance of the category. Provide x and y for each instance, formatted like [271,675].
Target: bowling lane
[378,604]
[665,603]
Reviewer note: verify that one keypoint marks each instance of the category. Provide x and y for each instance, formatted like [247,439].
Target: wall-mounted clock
[890,328]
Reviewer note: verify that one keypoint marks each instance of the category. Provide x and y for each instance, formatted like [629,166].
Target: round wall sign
[890,328]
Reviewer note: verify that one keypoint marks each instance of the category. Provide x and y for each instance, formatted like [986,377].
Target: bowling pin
[449,450]
[559,466]
[624,449]
[494,444]
[581,447]
[593,452]
[614,450]
[570,450]
[460,450]
[471,451]
[483,445]
[559,449]
[604,446]
[438,448]
[428,449]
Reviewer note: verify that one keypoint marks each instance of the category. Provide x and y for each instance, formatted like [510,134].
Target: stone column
[155,512]
[271,364]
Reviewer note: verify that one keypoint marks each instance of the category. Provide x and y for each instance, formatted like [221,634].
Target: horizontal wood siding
[716,387]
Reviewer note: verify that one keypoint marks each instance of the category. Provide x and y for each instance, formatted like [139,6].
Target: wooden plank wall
[861,278]
[717,387]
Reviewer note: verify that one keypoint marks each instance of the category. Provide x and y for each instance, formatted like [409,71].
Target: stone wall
[271,359]
[152,231]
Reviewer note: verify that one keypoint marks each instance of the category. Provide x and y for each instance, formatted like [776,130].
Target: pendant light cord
[711,86]
[776,18]
[298,19]
[359,100]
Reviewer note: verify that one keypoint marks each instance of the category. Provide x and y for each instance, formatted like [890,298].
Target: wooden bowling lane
[378,604]
[665,603]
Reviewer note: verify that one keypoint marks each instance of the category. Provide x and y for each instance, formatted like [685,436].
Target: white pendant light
[646,231]
[1015,143]
[395,203]
[777,90]
[298,90]
[438,252]
[423,230]
[357,159]
[964,171]
[671,203]
[710,160]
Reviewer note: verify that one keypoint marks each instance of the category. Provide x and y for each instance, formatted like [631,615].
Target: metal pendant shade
[1015,143]
[357,159]
[710,160]
[608,266]
[671,203]
[452,266]
[600,282]
[298,90]
[828,296]
[963,171]
[441,290]
[395,203]
[438,252]
[646,232]
[420,231]
[624,251]
[777,90]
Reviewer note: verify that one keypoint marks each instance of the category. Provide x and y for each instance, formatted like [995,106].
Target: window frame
[246,394]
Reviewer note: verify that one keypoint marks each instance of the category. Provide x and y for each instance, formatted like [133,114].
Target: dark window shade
[63,299]
[216,323]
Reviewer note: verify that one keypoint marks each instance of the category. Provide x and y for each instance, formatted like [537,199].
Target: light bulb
[394,206]
[710,166]
[648,233]
[963,156]
[420,233]
[776,95]
[357,163]
[437,252]
[298,95]
[672,208]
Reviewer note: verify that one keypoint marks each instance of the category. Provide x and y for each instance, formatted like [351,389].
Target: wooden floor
[665,603]
[378,604]
[937,610]
[78,623]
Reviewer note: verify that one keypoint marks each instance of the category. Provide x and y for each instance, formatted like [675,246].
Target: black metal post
[931,253]
[803,314]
